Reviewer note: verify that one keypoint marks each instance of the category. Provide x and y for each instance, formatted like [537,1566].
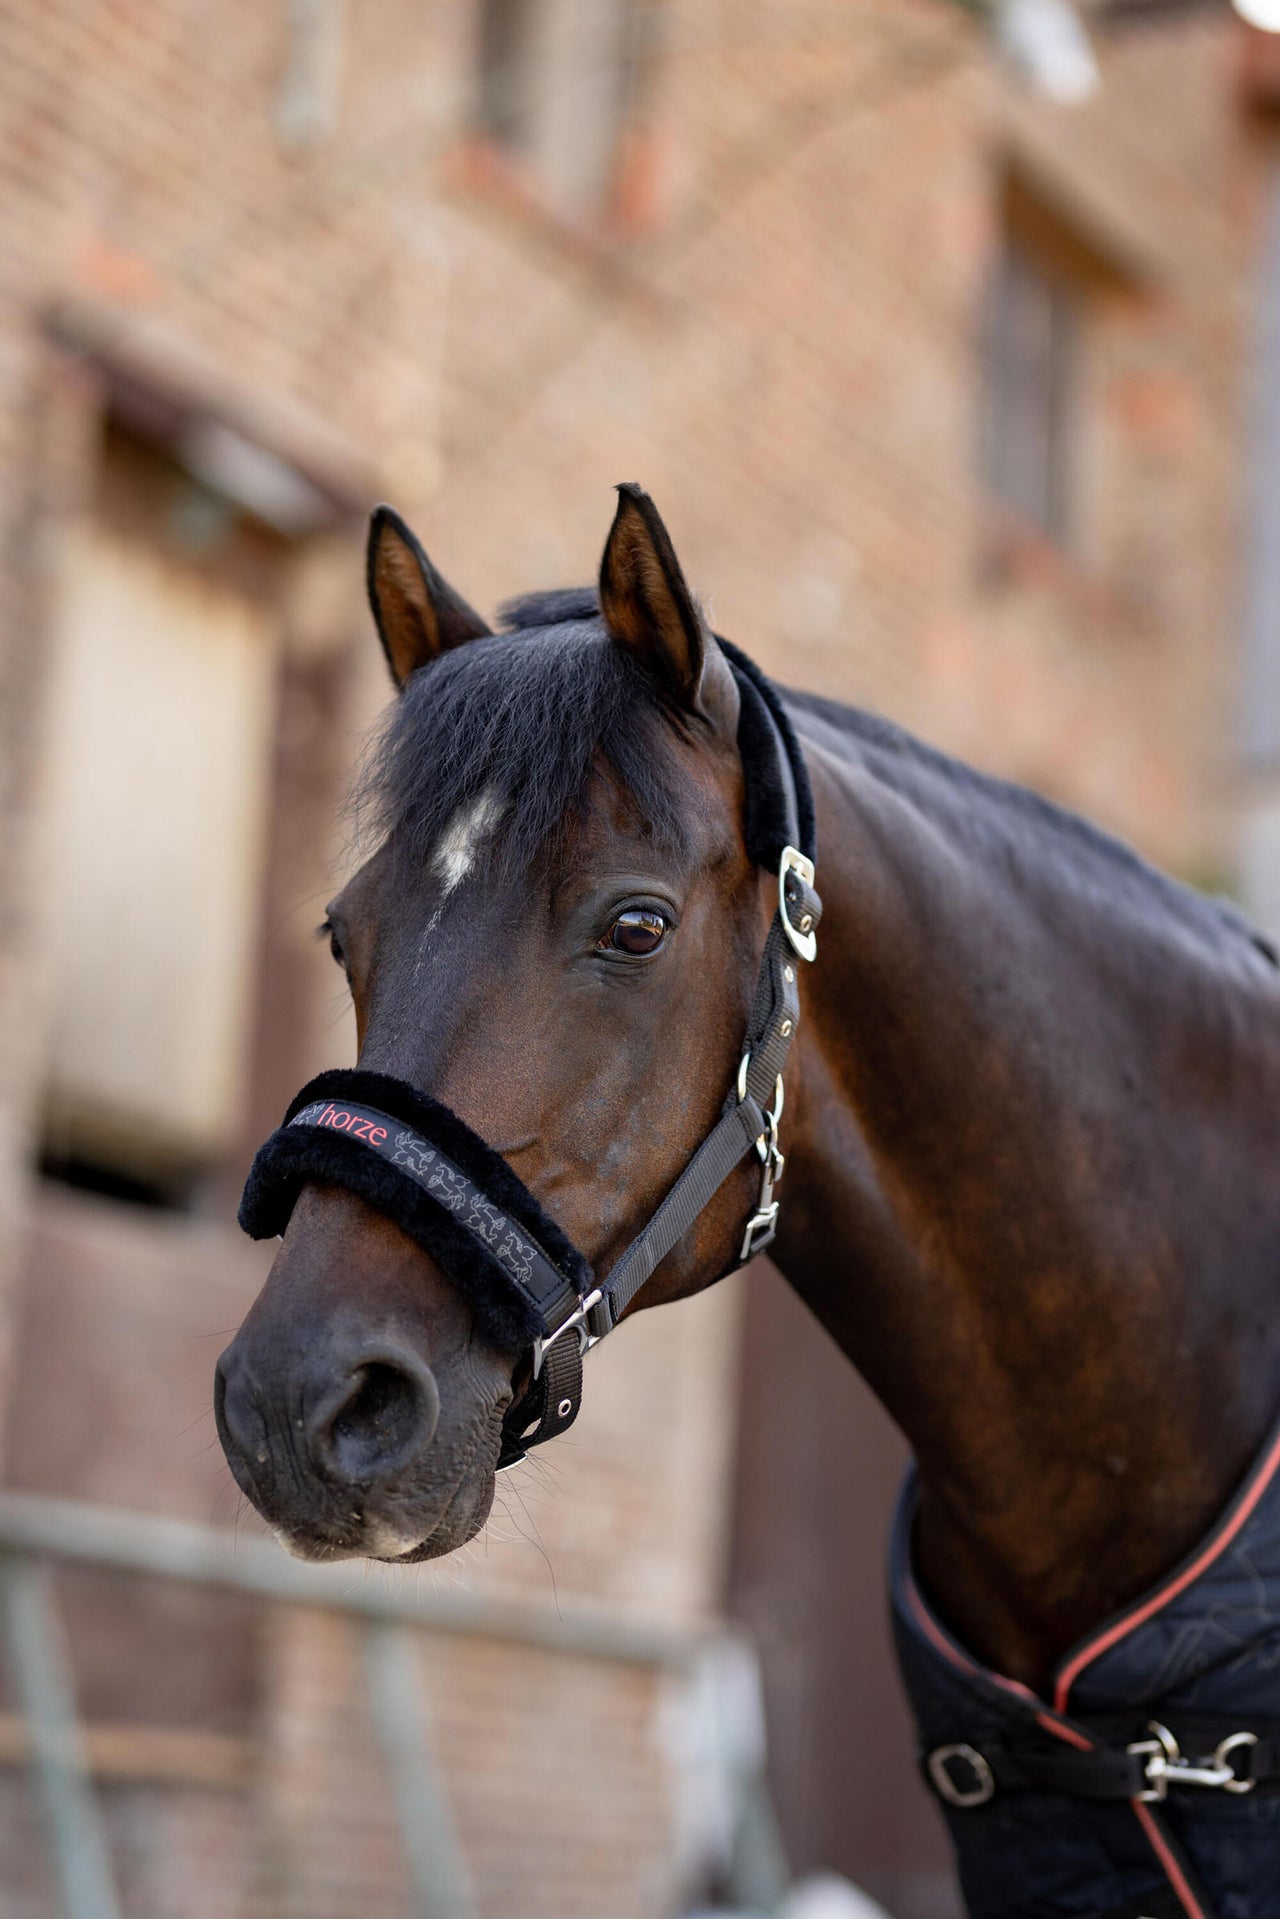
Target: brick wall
[776,332]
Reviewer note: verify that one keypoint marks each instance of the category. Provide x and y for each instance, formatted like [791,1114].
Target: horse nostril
[384,1418]
[231,1408]
[233,1415]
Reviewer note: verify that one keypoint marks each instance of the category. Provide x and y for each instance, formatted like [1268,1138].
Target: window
[1030,354]
[160,760]
[554,85]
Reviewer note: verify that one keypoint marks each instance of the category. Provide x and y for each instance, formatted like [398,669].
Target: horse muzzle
[341,1459]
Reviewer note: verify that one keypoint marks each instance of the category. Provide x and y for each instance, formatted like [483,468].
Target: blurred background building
[961,401]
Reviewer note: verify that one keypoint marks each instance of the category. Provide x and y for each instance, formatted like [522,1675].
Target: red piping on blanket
[1172,1870]
[947,1646]
[1227,1529]
[1062,1729]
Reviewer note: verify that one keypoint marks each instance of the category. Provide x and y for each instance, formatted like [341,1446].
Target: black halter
[416,1161]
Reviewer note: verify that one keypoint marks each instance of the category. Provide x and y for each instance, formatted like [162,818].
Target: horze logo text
[340,1122]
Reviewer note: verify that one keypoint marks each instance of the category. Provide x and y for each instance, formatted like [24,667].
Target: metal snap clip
[1166,1766]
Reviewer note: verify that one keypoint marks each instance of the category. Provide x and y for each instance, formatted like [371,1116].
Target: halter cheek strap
[414,1160]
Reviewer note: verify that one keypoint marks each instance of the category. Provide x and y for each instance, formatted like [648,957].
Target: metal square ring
[984,1779]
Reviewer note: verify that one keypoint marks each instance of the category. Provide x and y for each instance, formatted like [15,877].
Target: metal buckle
[578,1319]
[803,939]
[763,1224]
[1166,1766]
[761,1231]
[984,1780]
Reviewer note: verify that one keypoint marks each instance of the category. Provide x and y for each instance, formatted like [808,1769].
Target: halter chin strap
[413,1159]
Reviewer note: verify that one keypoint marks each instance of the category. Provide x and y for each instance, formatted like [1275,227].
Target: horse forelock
[501,736]
[560,606]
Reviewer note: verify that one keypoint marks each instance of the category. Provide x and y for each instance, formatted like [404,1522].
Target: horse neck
[1028,1191]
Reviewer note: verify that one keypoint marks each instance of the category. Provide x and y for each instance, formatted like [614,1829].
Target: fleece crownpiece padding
[765,821]
[442,1184]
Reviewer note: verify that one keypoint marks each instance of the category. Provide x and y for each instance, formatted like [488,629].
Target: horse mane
[1005,808]
[527,713]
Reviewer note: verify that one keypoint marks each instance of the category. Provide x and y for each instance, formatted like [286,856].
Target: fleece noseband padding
[441,1184]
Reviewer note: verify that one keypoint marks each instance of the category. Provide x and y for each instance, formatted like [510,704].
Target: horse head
[557,938]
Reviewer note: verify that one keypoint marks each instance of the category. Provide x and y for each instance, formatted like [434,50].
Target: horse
[1029,1135]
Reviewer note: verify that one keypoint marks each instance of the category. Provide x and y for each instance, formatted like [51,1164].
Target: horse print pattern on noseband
[432,1171]
[424,1163]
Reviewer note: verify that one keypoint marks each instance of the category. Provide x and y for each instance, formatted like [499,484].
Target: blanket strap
[1204,1754]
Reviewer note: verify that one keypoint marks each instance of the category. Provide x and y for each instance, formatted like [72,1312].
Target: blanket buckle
[956,1791]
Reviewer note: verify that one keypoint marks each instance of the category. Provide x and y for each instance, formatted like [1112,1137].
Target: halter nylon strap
[551,1403]
[413,1159]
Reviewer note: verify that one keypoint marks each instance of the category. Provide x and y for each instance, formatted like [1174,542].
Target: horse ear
[646,604]
[418,615]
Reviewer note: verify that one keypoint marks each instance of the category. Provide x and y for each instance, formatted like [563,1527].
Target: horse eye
[639,931]
[327,931]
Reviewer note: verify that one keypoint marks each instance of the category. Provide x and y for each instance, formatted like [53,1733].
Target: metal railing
[36,1533]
